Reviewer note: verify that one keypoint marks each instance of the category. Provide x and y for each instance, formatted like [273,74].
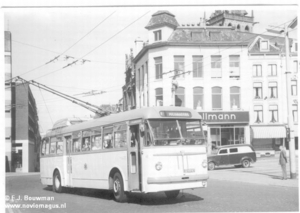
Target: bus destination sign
[175,114]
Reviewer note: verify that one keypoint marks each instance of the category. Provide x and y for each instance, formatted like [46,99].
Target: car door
[234,156]
[224,158]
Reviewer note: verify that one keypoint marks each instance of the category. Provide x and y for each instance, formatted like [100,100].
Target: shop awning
[268,131]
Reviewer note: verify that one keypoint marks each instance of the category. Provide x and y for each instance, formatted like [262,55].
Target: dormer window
[157,35]
[197,36]
[264,45]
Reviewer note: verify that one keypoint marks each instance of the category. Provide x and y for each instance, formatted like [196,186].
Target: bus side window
[45,147]
[59,146]
[75,145]
[108,141]
[120,139]
[96,142]
[68,144]
[53,145]
[86,144]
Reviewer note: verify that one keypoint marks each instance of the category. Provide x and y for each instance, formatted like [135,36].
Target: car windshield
[176,132]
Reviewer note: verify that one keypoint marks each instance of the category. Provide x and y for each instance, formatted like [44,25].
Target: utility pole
[290,120]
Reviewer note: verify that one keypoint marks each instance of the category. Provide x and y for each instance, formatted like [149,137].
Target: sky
[102,35]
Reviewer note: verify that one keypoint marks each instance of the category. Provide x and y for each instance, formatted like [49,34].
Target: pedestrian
[283,162]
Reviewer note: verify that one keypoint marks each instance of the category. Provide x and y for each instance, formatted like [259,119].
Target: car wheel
[246,163]
[211,166]
[172,194]
[57,182]
[118,188]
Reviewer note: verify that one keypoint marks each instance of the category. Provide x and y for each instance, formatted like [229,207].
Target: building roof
[216,36]
[208,35]
[162,18]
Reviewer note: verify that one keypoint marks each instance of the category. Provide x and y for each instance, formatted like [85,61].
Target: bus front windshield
[176,132]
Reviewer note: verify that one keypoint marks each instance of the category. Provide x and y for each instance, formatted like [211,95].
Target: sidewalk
[264,171]
[11,174]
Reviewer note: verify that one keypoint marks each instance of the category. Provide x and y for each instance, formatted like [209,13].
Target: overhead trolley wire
[65,50]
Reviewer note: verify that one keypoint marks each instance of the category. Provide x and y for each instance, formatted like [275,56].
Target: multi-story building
[129,98]
[22,135]
[8,101]
[212,69]
[25,129]
[269,97]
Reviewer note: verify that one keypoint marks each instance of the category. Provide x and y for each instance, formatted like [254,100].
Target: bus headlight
[204,163]
[158,166]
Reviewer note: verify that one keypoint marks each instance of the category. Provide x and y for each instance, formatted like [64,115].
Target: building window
[295,66]
[258,114]
[179,97]
[272,70]
[273,113]
[216,66]
[238,27]
[197,66]
[294,88]
[247,28]
[157,35]
[142,78]
[273,89]
[216,98]
[179,66]
[158,67]
[256,70]
[229,25]
[234,97]
[295,113]
[234,66]
[264,45]
[257,90]
[138,79]
[159,99]
[198,98]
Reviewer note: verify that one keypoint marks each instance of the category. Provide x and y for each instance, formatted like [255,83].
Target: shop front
[266,139]
[226,128]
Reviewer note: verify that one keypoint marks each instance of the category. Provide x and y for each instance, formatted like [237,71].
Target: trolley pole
[290,121]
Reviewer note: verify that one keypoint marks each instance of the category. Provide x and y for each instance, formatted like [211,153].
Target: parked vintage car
[237,155]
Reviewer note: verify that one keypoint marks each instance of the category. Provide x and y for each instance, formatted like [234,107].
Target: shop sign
[225,117]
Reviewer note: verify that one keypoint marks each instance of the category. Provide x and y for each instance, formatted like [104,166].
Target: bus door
[134,170]
[68,179]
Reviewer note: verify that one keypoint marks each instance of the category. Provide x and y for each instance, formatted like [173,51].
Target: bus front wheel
[118,188]
[57,182]
[172,194]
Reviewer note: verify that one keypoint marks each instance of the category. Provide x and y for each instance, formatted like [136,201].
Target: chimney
[138,45]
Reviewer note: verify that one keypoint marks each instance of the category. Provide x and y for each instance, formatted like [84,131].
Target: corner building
[207,68]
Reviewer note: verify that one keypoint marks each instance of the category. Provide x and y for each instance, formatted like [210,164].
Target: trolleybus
[144,150]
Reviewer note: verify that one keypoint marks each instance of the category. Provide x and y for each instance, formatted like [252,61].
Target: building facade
[212,69]
[8,101]
[25,129]
[22,137]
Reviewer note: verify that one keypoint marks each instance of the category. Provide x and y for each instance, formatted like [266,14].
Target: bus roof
[142,113]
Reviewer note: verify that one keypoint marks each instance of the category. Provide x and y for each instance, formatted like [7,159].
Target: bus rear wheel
[57,182]
[118,188]
[172,194]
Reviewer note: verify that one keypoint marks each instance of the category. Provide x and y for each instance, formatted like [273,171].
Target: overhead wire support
[95,109]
